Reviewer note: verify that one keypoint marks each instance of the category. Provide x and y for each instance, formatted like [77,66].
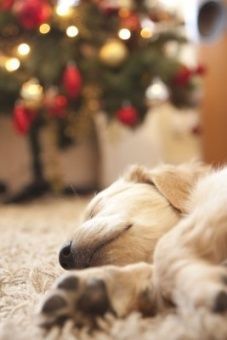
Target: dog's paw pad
[69,283]
[94,299]
[220,304]
[61,320]
[53,303]
[54,311]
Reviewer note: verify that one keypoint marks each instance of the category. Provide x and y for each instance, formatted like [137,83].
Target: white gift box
[164,136]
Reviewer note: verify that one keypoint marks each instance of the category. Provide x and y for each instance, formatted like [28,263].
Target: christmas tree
[62,62]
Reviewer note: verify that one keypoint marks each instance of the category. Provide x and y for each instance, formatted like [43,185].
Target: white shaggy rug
[30,237]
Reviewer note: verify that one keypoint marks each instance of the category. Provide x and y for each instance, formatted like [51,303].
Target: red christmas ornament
[72,81]
[58,107]
[183,76]
[6,5]
[107,7]
[200,70]
[128,115]
[23,118]
[131,21]
[32,13]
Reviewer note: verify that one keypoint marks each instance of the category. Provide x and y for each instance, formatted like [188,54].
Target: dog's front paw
[76,299]
[82,296]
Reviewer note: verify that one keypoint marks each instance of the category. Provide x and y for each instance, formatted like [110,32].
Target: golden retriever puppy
[122,224]
[174,219]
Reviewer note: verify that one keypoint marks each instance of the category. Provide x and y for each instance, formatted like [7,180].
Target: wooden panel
[214,106]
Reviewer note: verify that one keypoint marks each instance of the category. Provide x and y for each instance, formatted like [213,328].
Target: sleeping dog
[155,239]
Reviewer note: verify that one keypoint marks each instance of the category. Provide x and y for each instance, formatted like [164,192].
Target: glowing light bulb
[32,93]
[124,34]
[148,28]
[68,3]
[146,33]
[12,64]
[63,10]
[72,31]
[23,49]
[44,28]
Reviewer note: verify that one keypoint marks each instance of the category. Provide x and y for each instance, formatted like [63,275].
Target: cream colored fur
[173,218]
[196,247]
[123,223]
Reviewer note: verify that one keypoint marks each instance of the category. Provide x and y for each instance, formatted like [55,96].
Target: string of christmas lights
[63,61]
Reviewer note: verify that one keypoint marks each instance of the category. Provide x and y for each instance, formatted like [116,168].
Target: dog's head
[123,223]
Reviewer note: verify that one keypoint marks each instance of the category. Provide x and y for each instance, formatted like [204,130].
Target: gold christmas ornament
[32,93]
[113,52]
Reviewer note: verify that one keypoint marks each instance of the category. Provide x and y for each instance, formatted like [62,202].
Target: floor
[30,237]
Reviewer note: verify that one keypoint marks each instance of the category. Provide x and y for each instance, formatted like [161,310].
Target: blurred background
[88,87]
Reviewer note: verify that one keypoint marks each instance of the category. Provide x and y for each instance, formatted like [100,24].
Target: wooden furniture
[214,105]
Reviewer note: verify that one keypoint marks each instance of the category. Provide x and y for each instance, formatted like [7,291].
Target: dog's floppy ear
[173,182]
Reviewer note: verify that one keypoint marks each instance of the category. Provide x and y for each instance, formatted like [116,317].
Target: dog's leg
[187,261]
[85,294]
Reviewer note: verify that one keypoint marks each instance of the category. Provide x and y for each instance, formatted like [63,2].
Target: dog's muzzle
[66,257]
[71,258]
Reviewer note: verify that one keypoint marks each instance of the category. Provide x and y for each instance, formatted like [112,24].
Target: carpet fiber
[30,236]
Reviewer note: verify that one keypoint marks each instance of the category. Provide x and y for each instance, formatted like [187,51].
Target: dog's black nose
[66,257]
